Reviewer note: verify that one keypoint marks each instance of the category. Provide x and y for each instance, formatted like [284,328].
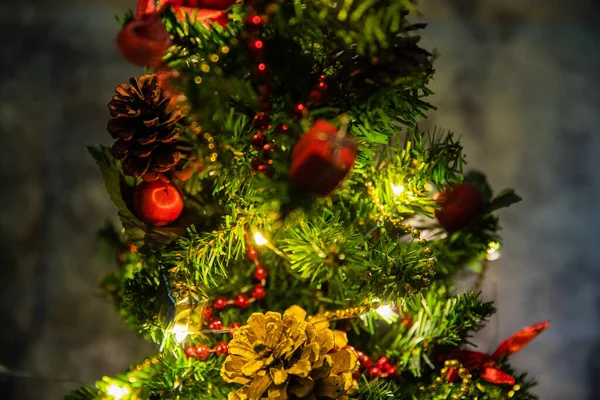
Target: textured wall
[518,79]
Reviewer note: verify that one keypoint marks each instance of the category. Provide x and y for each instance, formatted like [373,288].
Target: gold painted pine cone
[145,129]
[287,357]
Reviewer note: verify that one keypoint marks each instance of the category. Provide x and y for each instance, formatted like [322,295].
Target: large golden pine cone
[148,142]
[283,357]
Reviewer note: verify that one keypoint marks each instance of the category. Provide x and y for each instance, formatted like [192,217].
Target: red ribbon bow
[488,368]
[205,10]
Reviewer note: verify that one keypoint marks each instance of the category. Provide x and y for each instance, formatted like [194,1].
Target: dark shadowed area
[518,79]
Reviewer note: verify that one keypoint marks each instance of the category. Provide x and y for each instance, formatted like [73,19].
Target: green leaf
[506,198]
[115,184]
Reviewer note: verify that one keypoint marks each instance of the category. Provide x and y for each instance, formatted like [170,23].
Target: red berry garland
[460,204]
[158,203]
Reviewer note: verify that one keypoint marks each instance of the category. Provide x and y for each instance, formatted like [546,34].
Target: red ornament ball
[222,349]
[460,204]
[260,273]
[259,292]
[242,301]
[202,352]
[158,203]
[144,41]
[220,302]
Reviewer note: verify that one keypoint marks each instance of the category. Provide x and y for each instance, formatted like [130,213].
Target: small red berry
[208,312]
[406,321]
[253,22]
[252,254]
[202,352]
[157,203]
[383,364]
[255,163]
[222,349]
[215,324]
[322,86]
[220,302]
[261,121]
[259,292]
[284,128]
[261,71]
[299,110]
[260,273]
[374,372]
[356,375]
[190,351]
[365,361]
[258,141]
[242,301]
[392,370]
[316,96]
[256,47]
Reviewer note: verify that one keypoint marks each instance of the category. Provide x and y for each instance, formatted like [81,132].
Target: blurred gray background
[518,79]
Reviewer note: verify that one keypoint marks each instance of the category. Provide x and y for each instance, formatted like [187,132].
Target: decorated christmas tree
[288,229]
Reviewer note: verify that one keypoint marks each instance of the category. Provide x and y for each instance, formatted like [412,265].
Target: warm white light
[180,332]
[493,251]
[397,190]
[259,239]
[117,392]
[386,312]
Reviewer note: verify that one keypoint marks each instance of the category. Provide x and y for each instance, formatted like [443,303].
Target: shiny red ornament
[216,324]
[242,301]
[460,204]
[488,368]
[202,352]
[220,302]
[144,41]
[222,349]
[157,203]
[322,159]
[260,273]
[259,292]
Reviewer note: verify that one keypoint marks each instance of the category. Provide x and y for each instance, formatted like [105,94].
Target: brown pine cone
[148,142]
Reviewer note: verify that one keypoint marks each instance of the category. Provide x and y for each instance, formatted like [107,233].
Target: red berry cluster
[202,351]
[382,368]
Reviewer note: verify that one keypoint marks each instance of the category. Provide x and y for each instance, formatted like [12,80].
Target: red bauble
[202,352]
[461,204]
[322,159]
[242,301]
[222,349]
[158,203]
[144,41]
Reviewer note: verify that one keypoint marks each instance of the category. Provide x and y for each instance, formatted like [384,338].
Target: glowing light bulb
[180,332]
[259,239]
[397,190]
[385,312]
[117,392]
[493,251]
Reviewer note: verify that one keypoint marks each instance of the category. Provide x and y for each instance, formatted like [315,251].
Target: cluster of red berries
[382,368]
[202,351]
